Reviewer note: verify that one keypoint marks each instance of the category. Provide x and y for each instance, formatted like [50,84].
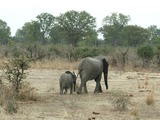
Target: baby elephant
[67,80]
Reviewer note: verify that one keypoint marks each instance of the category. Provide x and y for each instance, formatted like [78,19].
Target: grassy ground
[131,96]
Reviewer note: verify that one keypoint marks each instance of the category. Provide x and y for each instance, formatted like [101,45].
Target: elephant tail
[78,73]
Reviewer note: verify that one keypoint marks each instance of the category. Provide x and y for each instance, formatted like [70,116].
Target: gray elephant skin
[67,81]
[92,68]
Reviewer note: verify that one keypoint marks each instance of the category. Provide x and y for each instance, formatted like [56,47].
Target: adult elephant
[92,68]
[67,81]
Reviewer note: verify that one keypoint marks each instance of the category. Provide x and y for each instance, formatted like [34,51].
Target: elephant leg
[85,88]
[98,85]
[71,89]
[80,87]
[100,88]
[61,91]
[65,91]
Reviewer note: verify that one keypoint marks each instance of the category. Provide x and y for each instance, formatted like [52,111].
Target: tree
[46,22]
[29,32]
[112,28]
[135,35]
[56,35]
[75,26]
[4,32]
[154,34]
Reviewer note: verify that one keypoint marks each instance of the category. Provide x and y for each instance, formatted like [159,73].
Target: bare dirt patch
[53,106]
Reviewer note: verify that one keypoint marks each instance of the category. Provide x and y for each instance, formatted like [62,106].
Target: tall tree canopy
[135,35]
[154,34]
[76,26]
[29,32]
[4,32]
[112,28]
[46,22]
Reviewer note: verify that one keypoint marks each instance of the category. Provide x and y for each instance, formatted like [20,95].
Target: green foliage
[56,35]
[4,32]
[113,27]
[46,22]
[82,52]
[154,34]
[29,32]
[135,35]
[15,72]
[85,52]
[157,53]
[75,26]
[146,52]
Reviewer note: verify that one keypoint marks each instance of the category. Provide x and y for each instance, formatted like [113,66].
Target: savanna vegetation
[73,35]
[69,37]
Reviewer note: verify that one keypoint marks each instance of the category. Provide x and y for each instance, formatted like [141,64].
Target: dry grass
[134,111]
[58,64]
[52,105]
[7,99]
[8,96]
[27,92]
[150,99]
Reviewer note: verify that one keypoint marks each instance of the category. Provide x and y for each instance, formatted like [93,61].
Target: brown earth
[50,105]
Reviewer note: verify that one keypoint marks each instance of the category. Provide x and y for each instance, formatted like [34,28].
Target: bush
[146,52]
[82,52]
[15,72]
[27,92]
[158,55]
[119,100]
[8,99]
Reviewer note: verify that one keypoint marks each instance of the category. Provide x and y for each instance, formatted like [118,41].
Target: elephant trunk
[74,87]
[105,80]
[105,71]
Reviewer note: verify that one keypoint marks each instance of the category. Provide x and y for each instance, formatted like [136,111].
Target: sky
[17,12]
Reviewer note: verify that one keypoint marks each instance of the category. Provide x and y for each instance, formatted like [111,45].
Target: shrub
[27,92]
[15,72]
[119,100]
[8,99]
[82,52]
[158,55]
[146,53]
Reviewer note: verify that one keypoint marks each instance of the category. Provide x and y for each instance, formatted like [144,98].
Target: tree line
[79,29]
